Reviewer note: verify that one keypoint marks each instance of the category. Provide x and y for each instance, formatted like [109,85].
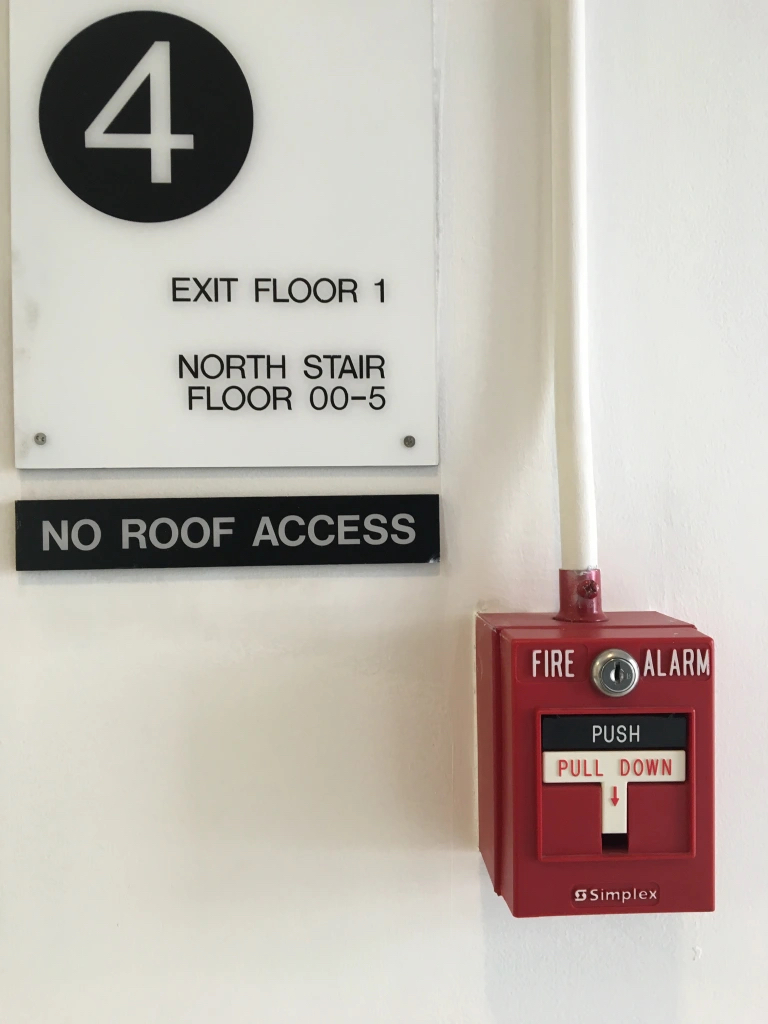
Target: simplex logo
[623,897]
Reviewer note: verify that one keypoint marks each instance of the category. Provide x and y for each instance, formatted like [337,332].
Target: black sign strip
[177,533]
[614,732]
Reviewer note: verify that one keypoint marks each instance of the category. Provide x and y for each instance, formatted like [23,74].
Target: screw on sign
[146,116]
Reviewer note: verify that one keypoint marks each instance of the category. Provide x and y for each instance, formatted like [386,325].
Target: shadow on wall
[291,758]
[496,485]
[638,983]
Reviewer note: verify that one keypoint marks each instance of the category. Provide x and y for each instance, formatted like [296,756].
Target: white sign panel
[223,233]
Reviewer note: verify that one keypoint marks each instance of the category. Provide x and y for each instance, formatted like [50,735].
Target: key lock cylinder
[615,673]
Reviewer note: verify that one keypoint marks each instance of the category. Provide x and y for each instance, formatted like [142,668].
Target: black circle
[210,100]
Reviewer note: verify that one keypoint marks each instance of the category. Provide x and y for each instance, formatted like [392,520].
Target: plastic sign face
[592,803]
[223,229]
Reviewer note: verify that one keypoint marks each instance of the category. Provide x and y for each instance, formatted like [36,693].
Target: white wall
[248,796]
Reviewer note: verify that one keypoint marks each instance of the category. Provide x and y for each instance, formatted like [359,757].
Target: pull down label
[613,770]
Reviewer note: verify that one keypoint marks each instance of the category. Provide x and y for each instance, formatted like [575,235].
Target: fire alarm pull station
[595,730]
[596,763]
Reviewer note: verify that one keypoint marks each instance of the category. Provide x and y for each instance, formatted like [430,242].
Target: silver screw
[615,673]
[41,439]
[409,441]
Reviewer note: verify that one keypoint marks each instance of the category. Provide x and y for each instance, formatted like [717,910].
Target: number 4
[155,66]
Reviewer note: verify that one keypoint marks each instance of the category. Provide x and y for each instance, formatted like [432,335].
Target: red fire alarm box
[596,763]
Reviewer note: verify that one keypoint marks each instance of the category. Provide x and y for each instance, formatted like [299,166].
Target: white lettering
[372,527]
[155,65]
[220,529]
[266,531]
[346,529]
[283,531]
[205,537]
[615,895]
[76,535]
[134,529]
[62,538]
[174,535]
[321,542]
[409,534]
[648,670]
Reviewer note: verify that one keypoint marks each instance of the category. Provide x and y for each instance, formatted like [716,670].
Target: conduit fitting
[581,596]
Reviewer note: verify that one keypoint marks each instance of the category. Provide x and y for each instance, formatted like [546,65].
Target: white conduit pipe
[578,517]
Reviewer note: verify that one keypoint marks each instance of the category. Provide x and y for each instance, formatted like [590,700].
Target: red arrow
[615,797]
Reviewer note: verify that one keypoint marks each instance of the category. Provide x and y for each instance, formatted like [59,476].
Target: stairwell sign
[223,233]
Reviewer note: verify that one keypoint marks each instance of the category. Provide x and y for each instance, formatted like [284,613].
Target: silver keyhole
[615,673]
